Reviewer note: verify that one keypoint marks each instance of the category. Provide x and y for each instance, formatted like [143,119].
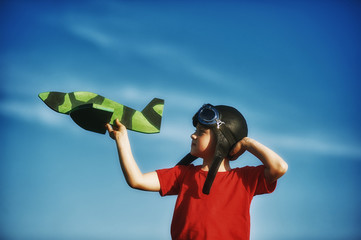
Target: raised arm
[134,177]
[275,166]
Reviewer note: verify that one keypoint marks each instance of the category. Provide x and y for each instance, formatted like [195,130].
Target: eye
[200,132]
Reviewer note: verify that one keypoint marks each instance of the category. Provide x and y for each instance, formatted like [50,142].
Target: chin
[194,153]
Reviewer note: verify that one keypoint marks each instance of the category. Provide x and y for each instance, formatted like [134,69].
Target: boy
[223,213]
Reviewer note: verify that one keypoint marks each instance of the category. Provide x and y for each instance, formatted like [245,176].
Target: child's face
[203,142]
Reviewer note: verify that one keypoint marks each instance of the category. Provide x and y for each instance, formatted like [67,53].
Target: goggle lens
[207,115]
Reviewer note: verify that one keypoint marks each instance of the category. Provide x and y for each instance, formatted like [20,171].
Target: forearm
[275,166]
[129,167]
[133,175]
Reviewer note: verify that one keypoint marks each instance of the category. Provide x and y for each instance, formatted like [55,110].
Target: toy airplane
[92,111]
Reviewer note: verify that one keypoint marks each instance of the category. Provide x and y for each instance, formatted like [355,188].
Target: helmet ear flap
[221,152]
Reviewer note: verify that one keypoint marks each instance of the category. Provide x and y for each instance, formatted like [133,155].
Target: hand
[116,131]
[239,148]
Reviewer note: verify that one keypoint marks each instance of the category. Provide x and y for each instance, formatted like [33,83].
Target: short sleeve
[255,181]
[169,180]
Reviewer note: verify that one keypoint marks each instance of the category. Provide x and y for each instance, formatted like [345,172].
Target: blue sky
[291,67]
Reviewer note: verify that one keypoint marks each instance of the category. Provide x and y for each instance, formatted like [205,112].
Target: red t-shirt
[224,213]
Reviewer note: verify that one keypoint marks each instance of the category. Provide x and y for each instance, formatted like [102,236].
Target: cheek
[207,146]
[211,145]
[204,145]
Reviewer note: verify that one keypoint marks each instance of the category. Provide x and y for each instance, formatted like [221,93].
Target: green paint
[44,96]
[141,124]
[84,96]
[109,103]
[159,109]
[66,107]
[118,113]
[100,107]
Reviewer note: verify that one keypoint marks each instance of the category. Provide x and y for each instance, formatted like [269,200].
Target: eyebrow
[200,127]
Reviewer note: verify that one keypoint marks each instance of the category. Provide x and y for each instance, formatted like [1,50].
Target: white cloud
[166,55]
[92,35]
[176,133]
[37,113]
[32,112]
[314,144]
[175,57]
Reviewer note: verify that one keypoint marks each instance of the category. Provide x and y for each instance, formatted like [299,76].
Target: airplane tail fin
[153,112]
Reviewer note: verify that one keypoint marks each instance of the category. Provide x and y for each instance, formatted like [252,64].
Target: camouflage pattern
[146,121]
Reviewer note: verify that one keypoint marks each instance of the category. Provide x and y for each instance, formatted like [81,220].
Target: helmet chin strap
[212,174]
[187,159]
[221,152]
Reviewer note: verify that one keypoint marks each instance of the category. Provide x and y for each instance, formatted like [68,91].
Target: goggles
[208,115]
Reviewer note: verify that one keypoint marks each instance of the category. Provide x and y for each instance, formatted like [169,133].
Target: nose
[193,136]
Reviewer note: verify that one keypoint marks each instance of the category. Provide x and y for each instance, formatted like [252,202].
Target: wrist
[121,137]
[247,142]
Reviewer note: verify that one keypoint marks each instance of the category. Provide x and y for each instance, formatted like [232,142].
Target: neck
[224,167]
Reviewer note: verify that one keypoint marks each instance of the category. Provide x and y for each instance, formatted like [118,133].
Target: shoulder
[253,178]
[171,179]
[189,167]
[249,170]
[178,169]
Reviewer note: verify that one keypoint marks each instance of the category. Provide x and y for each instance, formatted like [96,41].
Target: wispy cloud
[314,144]
[31,112]
[166,55]
[92,34]
[180,58]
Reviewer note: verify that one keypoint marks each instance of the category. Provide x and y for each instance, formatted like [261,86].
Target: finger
[237,147]
[109,127]
[117,122]
[110,131]
[120,125]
